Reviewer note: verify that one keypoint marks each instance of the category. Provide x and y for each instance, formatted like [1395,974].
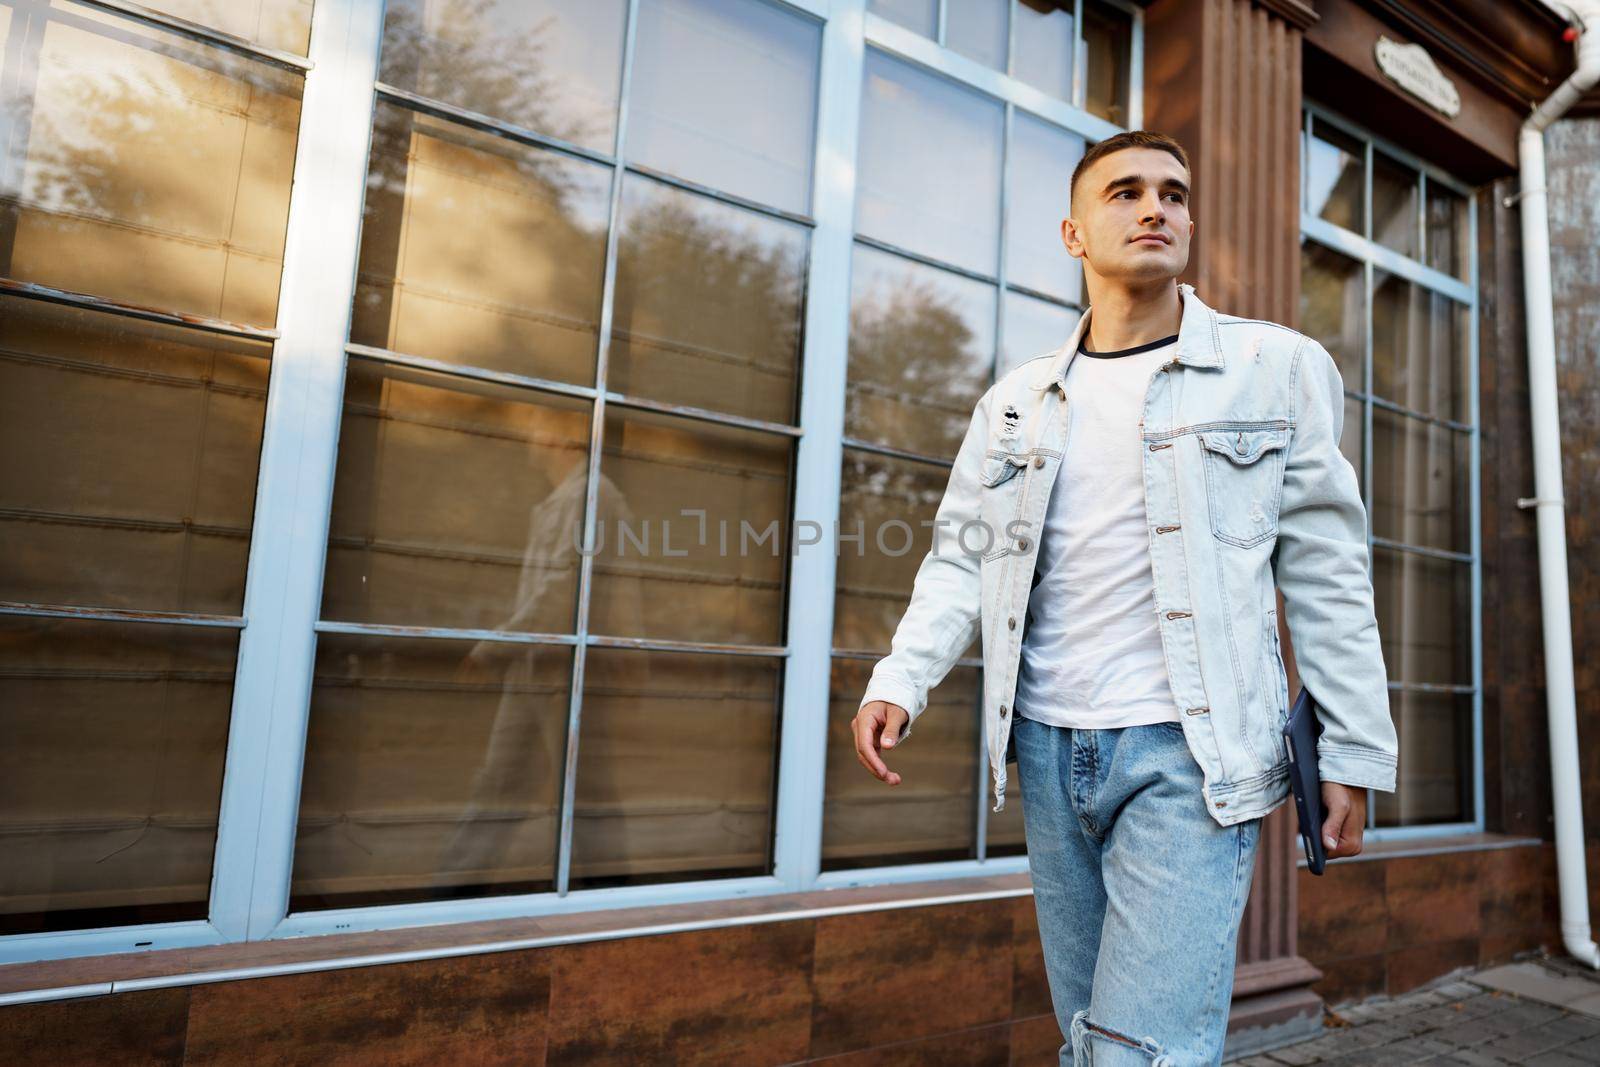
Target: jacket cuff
[1356,765]
[897,692]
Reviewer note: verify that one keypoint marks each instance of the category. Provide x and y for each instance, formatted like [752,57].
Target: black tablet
[1300,735]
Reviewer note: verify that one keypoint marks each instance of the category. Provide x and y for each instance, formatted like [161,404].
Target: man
[1114,525]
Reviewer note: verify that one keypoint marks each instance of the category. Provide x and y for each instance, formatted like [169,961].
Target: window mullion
[597,439]
[803,744]
[288,543]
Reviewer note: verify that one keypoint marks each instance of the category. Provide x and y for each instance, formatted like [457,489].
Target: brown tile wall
[958,984]
[1385,926]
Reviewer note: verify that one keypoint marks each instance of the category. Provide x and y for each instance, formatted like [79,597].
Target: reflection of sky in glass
[724,94]
[1032,328]
[1043,48]
[1037,199]
[1333,180]
[977,29]
[929,178]
[284,24]
[919,15]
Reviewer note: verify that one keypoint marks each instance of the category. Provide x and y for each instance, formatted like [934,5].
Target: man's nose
[1154,211]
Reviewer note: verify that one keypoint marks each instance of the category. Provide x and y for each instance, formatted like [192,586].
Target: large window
[958,271]
[1388,280]
[580,320]
[143,205]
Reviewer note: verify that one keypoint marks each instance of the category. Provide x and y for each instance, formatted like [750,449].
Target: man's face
[1130,216]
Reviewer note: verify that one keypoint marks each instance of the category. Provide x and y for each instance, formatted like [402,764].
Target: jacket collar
[1199,342]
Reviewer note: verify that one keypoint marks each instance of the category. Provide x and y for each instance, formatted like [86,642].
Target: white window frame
[272,689]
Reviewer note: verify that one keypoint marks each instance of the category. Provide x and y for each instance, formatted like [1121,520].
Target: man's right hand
[877,725]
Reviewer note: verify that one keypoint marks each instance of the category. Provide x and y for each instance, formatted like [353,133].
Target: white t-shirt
[1091,652]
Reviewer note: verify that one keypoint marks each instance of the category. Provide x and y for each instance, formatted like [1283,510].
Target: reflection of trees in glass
[511,230]
[481,64]
[186,149]
[912,356]
[498,74]
[711,296]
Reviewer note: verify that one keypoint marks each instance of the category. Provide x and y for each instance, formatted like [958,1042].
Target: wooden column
[1223,77]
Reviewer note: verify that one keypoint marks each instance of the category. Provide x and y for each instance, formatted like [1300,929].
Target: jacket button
[1002,711]
[1011,623]
[1022,544]
[1038,461]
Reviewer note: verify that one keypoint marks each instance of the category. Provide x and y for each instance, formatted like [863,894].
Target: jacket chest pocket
[1244,481]
[1001,481]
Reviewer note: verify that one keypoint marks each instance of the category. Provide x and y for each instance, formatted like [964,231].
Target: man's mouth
[1151,238]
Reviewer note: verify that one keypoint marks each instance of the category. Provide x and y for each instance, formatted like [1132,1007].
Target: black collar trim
[1126,351]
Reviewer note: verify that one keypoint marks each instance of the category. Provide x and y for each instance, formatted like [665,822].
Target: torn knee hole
[1147,1046]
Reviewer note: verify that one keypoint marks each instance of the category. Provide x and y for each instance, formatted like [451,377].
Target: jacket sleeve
[1320,564]
[943,616]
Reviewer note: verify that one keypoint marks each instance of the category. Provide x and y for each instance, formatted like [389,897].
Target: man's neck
[1124,318]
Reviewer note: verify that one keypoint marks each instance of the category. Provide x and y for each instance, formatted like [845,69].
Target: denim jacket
[1245,488]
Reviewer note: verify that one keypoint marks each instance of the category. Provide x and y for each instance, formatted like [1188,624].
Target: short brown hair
[1128,139]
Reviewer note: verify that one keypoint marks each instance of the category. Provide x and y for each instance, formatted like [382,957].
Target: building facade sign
[1411,68]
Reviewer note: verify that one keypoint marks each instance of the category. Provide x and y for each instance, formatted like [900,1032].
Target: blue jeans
[1139,892]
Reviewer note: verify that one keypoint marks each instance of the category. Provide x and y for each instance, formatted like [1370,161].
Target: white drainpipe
[1547,502]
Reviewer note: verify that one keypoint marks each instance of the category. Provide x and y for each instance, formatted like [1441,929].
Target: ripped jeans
[1139,892]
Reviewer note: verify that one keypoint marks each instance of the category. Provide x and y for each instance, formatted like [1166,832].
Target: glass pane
[1334,177]
[281,24]
[931,816]
[1419,348]
[442,202]
[1038,197]
[142,443]
[1434,783]
[1108,55]
[977,29]
[456,503]
[1394,205]
[111,771]
[677,768]
[919,15]
[552,66]
[886,509]
[929,179]
[724,93]
[1424,609]
[1033,328]
[433,771]
[1419,473]
[692,540]
[1042,49]
[921,349]
[1333,307]
[708,304]
[1448,241]
[155,170]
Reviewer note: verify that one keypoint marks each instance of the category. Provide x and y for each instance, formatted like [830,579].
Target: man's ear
[1070,238]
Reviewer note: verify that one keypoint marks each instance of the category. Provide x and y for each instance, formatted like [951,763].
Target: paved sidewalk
[1538,1011]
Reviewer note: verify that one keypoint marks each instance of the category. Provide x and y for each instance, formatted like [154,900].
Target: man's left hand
[1347,817]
